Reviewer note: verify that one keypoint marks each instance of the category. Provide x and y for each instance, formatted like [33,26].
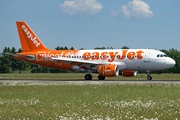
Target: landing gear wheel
[148,75]
[88,77]
[149,78]
[100,77]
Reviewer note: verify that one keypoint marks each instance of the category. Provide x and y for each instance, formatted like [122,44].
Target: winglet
[29,40]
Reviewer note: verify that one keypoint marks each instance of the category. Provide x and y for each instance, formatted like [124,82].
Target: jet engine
[108,70]
[128,73]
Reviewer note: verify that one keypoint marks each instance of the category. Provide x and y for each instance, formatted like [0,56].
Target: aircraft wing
[70,60]
[73,60]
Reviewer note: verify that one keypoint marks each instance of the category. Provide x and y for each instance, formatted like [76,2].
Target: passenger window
[161,55]
[158,55]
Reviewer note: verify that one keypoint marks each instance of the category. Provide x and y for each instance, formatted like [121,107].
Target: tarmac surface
[84,82]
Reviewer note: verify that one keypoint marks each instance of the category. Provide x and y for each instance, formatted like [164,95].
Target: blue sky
[94,23]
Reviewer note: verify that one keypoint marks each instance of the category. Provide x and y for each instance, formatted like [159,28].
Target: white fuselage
[134,59]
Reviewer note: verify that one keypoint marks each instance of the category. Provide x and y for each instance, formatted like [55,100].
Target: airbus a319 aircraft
[107,63]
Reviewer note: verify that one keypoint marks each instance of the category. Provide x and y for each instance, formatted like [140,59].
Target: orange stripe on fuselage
[44,58]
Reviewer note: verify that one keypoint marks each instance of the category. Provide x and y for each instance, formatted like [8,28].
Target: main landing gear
[148,75]
[89,77]
[100,77]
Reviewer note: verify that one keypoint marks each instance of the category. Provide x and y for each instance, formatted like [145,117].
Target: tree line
[8,64]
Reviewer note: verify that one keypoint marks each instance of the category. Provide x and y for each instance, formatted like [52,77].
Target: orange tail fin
[29,40]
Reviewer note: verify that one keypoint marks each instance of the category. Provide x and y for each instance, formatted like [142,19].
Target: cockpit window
[165,55]
[162,55]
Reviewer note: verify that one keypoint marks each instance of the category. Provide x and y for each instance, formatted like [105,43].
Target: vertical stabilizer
[29,40]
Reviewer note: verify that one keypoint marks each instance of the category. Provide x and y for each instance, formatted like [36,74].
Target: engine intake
[108,70]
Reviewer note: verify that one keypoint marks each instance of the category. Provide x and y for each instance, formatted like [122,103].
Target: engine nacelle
[128,73]
[108,70]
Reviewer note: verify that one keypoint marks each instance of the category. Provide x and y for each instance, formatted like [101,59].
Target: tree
[175,54]
[14,62]
[72,48]
[125,47]
[61,48]
[81,49]
[4,68]
[21,65]
[100,48]
[5,63]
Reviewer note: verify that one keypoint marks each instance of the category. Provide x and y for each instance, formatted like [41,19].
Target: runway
[84,82]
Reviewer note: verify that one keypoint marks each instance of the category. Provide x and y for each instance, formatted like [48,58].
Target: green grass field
[68,101]
[54,101]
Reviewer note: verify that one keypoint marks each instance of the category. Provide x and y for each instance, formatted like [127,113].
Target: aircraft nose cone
[171,62]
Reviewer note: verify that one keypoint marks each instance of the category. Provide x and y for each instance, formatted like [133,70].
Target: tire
[149,78]
[100,77]
[88,77]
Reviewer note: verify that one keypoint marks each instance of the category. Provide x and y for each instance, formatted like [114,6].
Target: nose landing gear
[148,75]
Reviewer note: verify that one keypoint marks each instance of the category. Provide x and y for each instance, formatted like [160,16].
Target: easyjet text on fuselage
[110,55]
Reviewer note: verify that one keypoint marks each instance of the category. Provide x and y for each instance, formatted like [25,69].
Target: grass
[66,100]
[56,100]
[80,76]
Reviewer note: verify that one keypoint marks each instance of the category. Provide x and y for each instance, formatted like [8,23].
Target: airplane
[107,63]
